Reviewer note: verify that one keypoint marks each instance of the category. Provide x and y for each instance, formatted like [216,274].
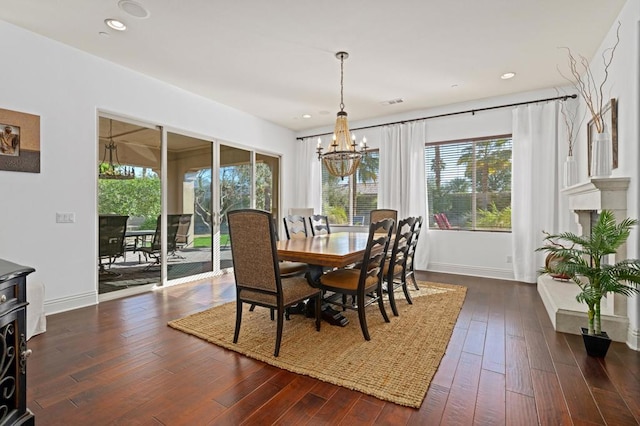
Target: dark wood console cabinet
[13,345]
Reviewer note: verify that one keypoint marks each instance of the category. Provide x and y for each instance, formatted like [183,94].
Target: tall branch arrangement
[570,117]
[583,80]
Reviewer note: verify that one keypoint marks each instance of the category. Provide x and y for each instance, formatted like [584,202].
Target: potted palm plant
[583,262]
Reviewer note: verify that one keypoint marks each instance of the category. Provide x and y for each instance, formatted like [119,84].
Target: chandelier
[342,158]
[111,168]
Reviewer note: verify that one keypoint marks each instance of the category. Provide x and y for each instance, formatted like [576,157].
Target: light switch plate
[65,217]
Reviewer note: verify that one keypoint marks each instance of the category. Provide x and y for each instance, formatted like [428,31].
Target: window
[469,184]
[348,201]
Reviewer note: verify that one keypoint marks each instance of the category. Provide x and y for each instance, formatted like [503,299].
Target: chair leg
[238,320]
[392,298]
[362,317]
[279,331]
[318,311]
[415,283]
[406,292]
[253,307]
[381,304]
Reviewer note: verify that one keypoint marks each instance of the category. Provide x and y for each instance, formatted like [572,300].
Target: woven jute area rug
[396,365]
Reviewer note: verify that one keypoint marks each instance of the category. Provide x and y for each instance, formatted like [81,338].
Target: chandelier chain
[341,82]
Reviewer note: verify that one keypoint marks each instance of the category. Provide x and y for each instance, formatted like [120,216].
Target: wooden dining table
[335,250]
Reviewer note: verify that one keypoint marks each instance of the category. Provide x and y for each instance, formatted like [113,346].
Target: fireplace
[587,200]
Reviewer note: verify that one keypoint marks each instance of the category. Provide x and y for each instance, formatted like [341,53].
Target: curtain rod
[472,111]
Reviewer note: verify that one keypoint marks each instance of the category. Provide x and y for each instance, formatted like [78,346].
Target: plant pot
[596,345]
[551,264]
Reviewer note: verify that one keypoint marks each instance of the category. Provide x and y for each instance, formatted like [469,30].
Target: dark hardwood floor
[119,363]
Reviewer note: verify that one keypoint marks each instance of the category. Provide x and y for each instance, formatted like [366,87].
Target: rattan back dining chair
[257,271]
[380,214]
[287,269]
[394,269]
[365,283]
[319,224]
[295,226]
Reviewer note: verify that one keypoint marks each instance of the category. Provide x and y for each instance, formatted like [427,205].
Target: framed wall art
[19,141]
[610,117]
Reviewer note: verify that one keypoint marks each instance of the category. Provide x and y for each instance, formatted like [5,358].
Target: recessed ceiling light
[115,24]
[133,8]
[508,75]
[306,115]
[104,34]
[454,86]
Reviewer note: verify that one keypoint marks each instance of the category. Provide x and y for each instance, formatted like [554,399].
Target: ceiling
[275,59]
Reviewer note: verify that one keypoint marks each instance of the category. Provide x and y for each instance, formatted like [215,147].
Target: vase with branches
[584,262]
[572,124]
[592,92]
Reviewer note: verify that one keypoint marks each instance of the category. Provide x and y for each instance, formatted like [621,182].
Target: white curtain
[535,185]
[402,178]
[308,176]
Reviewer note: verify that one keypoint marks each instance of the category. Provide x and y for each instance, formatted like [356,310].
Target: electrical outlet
[65,217]
[509,259]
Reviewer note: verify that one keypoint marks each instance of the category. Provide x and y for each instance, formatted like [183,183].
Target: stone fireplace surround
[566,314]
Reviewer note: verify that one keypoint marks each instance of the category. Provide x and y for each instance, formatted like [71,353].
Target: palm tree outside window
[469,184]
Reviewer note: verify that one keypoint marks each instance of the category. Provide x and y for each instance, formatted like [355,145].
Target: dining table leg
[333,317]
[313,274]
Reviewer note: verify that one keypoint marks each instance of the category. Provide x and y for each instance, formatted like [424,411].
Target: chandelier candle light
[342,158]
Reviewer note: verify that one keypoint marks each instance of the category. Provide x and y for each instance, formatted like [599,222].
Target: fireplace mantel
[599,194]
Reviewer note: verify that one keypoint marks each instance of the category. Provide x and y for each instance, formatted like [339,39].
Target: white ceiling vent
[392,101]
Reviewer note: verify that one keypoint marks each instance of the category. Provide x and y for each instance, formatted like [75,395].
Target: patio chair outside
[155,249]
[111,230]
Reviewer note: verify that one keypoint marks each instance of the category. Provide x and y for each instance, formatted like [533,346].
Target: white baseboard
[64,304]
[633,339]
[476,271]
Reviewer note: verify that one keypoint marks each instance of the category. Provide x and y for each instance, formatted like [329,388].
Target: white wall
[66,88]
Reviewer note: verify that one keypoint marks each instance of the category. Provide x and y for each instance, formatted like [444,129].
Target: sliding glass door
[189,203]
[129,204]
